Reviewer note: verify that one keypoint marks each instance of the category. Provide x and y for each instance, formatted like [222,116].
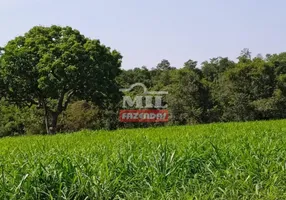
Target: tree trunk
[46,116]
[53,128]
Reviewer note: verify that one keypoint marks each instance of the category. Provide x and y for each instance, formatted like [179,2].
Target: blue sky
[147,31]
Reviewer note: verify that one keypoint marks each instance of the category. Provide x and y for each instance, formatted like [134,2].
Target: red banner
[143,115]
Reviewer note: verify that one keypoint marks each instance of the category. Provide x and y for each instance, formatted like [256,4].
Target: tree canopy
[49,66]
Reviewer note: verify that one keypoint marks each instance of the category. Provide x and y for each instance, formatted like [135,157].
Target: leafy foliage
[49,66]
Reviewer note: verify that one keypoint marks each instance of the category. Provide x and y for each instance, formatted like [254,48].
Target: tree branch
[68,100]
[56,76]
[60,102]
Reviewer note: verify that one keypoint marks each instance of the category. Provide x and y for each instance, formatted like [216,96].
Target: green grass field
[216,161]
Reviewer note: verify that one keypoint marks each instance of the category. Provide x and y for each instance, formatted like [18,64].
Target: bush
[80,115]
[11,120]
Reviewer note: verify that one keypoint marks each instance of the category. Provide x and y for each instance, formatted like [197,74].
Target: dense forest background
[220,90]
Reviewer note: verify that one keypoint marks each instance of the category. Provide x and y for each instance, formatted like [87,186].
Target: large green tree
[188,97]
[49,66]
[246,91]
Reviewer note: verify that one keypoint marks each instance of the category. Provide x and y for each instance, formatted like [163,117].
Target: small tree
[48,66]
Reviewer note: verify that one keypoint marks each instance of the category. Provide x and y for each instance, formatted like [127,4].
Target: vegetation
[49,66]
[54,79]
[57,80]
[215,161]
[220,90]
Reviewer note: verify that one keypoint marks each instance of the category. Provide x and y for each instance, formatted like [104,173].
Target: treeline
[220,90]
[53,79]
